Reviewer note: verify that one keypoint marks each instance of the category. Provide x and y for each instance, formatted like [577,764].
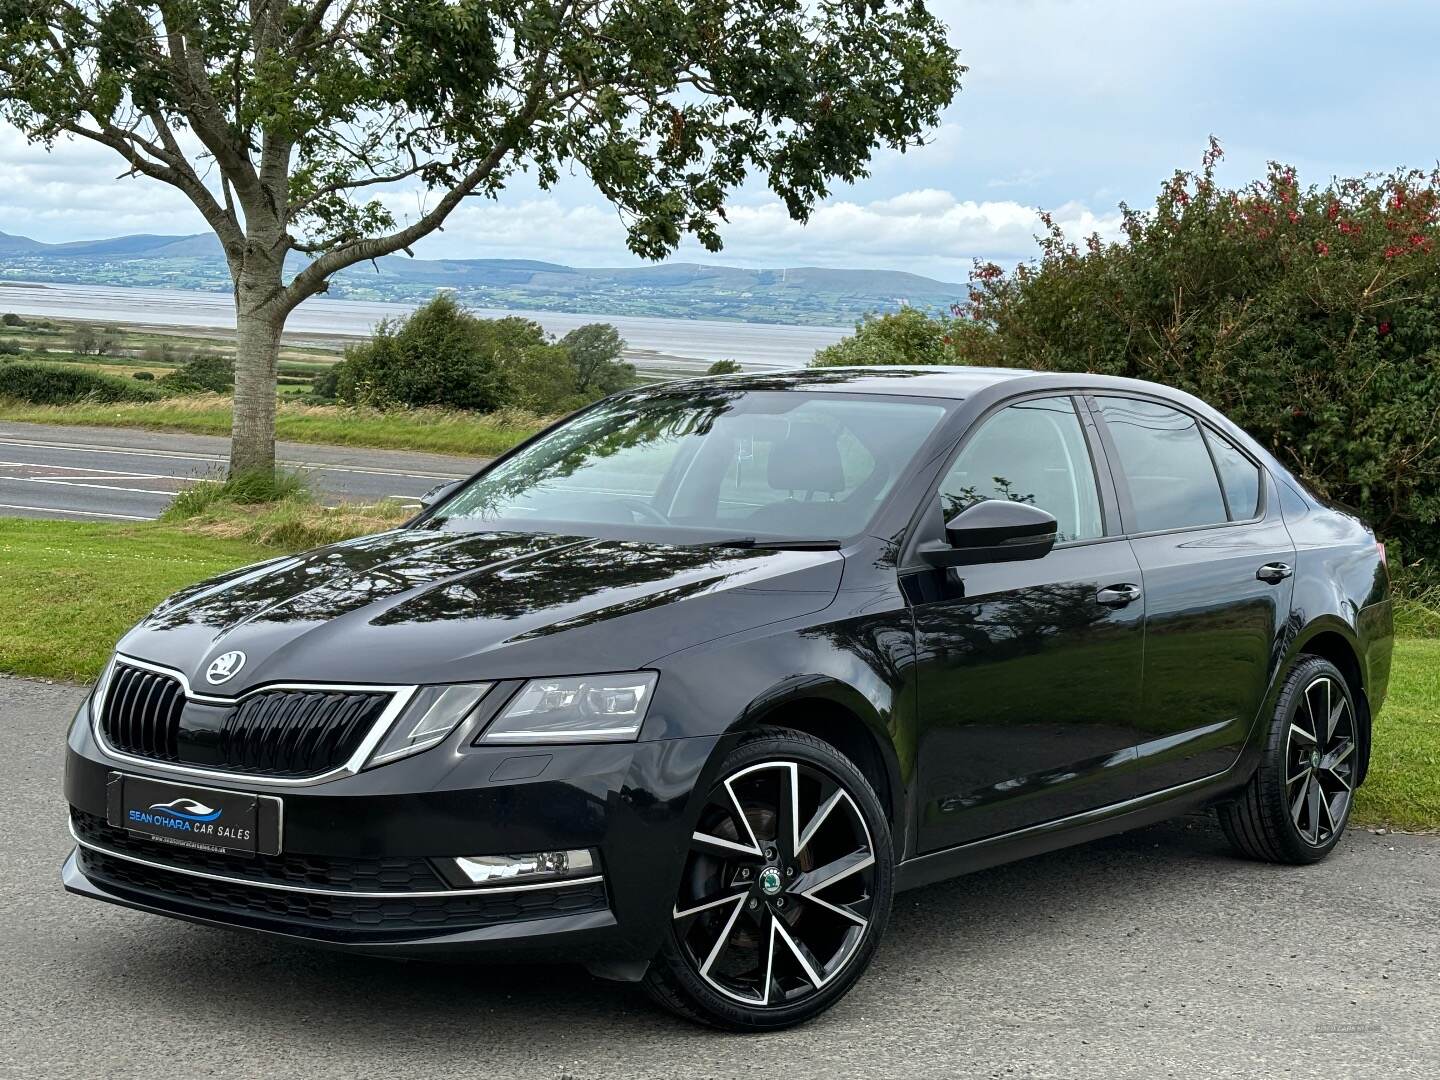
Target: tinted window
[685,467]
[1172,482]
[1238,474]
[1033,452]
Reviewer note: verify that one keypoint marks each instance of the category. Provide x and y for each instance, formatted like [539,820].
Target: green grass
[1403,788]
[434,430]
[68,590]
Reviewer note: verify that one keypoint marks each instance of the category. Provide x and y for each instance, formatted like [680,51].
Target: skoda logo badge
[770,881]
[224,668]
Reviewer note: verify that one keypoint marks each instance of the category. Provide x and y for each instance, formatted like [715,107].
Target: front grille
[354,918]
[142,713]
[393,873]
[297,732]
[282,733]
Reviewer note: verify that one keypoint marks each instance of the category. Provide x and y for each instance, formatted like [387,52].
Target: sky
[1069,105]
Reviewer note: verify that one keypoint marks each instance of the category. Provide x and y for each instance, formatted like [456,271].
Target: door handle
[1117,596]
[1274,572]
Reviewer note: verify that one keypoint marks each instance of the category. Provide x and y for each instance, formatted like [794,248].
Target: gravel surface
[1149,955]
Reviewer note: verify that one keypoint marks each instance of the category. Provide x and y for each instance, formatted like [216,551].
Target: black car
[687,686]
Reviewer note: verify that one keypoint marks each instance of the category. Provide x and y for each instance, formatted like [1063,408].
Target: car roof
[954,382]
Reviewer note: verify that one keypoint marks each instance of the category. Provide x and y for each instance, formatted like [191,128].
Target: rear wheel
[1296,806]
[786,889]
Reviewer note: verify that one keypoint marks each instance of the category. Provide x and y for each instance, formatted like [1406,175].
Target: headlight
[587,708]
[433,713]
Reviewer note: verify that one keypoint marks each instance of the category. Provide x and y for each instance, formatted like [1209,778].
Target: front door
[1029,673]
[1215,559]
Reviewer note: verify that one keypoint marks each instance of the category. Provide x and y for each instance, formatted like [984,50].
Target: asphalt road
[114,474]
[1149,955]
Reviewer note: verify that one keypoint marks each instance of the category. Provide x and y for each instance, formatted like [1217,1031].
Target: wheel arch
[845,719]
[1336,642]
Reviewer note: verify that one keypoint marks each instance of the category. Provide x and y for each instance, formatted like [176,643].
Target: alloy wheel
[779,884]
[1320,761]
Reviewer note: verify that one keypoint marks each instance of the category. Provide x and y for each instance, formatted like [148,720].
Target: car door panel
[1028,672]
[1215,560]
[1212,630]
[1029,692]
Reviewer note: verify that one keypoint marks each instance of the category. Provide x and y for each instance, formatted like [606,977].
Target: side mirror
[996,530]
[437,493]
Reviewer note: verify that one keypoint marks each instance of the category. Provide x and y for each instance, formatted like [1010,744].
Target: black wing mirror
[438,493]
[996,530]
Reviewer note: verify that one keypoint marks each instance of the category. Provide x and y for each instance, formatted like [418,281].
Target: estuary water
[681,343]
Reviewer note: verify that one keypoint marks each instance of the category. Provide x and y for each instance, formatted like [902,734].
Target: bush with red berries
[1310,315]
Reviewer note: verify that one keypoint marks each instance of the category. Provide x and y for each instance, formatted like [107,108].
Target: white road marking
[76,513]
[79,484]
[185,455]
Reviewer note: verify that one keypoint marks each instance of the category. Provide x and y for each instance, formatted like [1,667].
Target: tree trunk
[259,320]
[252,432]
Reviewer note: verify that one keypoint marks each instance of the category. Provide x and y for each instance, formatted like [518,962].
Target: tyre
[1295,807]
[786,889]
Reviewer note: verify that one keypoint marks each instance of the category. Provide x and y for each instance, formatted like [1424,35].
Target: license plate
[231,822]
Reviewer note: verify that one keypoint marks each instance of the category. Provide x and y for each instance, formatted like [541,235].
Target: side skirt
[1119,817]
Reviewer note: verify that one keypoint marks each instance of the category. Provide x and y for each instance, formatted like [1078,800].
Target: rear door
[1028,672]
[1215,560]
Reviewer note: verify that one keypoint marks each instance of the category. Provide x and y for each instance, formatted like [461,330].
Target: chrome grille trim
[400,698]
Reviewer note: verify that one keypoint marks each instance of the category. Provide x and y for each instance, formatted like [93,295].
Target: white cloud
[928,231]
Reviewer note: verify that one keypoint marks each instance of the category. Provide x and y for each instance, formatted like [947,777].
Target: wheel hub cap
[771,883]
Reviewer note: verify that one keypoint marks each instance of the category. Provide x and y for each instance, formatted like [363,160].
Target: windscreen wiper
[779,544]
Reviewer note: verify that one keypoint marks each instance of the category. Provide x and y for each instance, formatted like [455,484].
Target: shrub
[65,384]
[724,367]
[439,355]
[11,319]
[202,373]
[9,348]
[326,385]
[144,376]
[910,336]
[1310,315]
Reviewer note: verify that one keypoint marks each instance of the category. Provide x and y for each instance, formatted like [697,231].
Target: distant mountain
[807,295]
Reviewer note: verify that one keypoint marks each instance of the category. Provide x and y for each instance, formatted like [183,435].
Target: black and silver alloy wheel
[785,889]
[1295,807]
[1321,756]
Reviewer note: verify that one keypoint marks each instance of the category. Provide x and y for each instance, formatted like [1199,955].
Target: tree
[286,122]
[595,350]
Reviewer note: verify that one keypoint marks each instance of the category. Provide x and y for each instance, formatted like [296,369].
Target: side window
[1172,481]
[1239,476]
[1031,452]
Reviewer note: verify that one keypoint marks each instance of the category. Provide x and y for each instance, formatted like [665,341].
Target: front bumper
[357,871]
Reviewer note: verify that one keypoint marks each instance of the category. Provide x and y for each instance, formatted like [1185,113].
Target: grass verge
[68,590]
[434,430]
[1403,788]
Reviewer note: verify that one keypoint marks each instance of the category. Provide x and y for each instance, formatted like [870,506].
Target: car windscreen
[708,463]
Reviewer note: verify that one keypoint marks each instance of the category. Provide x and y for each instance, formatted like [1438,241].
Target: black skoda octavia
[688,686]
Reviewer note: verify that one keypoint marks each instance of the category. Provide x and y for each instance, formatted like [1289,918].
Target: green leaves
[1310,315]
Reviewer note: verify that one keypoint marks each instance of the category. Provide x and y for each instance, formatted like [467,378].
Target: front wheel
[786,888]
[1295,807]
